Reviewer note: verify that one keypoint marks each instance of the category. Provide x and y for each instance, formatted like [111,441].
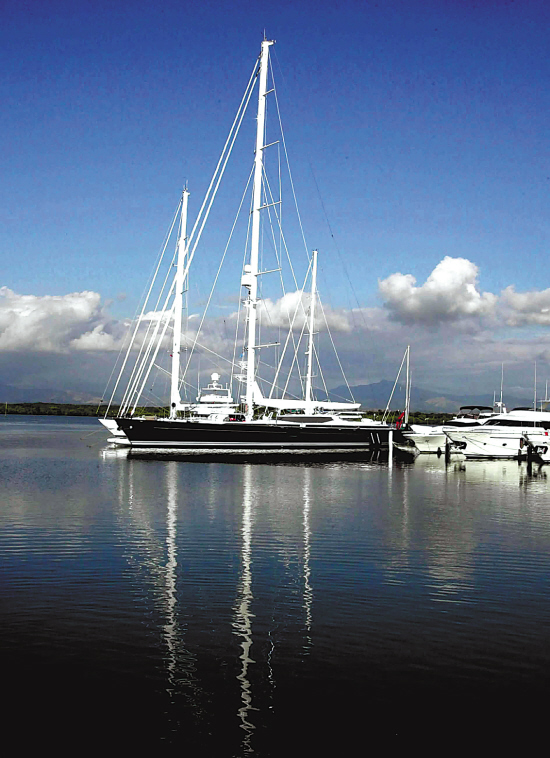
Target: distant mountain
[377,395]
[371,396]
[9,394]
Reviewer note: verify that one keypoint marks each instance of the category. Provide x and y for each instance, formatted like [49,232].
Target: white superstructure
[432,439]
[501,436]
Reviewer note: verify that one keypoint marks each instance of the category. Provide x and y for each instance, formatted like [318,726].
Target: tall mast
[250,278]
[175,399]
[408,388]
[309,392]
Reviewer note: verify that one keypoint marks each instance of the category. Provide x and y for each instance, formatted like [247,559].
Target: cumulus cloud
[74,336]
[524,308]
[55,323]
[450,293]
[293,308]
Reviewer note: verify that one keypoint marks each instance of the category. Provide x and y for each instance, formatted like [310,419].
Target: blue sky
[424,126]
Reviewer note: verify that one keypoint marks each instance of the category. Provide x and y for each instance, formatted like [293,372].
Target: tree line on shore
[70,409]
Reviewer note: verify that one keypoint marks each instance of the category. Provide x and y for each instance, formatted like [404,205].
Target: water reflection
[170,623]
[257,571]
[138,487]
[308,590]
[243,613]
[153,555]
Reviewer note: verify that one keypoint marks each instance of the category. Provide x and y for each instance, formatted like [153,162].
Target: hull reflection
[239,457]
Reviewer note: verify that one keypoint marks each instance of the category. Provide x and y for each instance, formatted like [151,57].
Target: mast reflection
[243,613]
[145,552]
[308,590]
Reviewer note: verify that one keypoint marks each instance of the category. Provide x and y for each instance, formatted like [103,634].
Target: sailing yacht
[264,422]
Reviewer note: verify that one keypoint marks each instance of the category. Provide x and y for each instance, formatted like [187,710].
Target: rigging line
[278,263]
[208,350]
[360,309]
[290,332]
[280,250]
[278,217]
[278,387]
[217,274]
[141,359]
[279,224]
[343,264]
[160,256]
[131,393]
[325,214]
[266,180]
[261,259]
[140,318]
[219,174]
[322,204]
[283,289]
[288,164]
[165,315]
[386,412]
[210,195]
[148,339]
[149,394]
[145,348]
[296,360]
[301,303]
[316,355]
[191,255]
[159,342]
[334,347]
[234,128]
[239,309]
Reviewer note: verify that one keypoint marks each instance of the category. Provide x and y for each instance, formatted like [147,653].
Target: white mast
[408,388]
[309,392]
[175,400]
[250,277]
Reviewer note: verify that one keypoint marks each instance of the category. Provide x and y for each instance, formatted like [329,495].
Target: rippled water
[236,607]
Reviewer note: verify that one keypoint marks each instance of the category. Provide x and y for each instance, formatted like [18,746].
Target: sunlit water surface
[236,607]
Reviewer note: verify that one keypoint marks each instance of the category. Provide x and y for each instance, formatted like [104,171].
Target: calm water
[239,607]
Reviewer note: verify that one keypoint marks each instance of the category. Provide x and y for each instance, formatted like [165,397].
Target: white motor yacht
[432,439]
[501,436]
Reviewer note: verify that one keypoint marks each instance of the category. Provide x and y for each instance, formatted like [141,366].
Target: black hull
[193,435]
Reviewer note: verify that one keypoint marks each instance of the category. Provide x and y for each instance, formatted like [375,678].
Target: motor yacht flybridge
[276,420]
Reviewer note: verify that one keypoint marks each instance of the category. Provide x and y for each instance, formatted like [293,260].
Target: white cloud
[75,336]
[523,308]
[293,308]
[95,340]
[450,293]
[54,323]
[156,316]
